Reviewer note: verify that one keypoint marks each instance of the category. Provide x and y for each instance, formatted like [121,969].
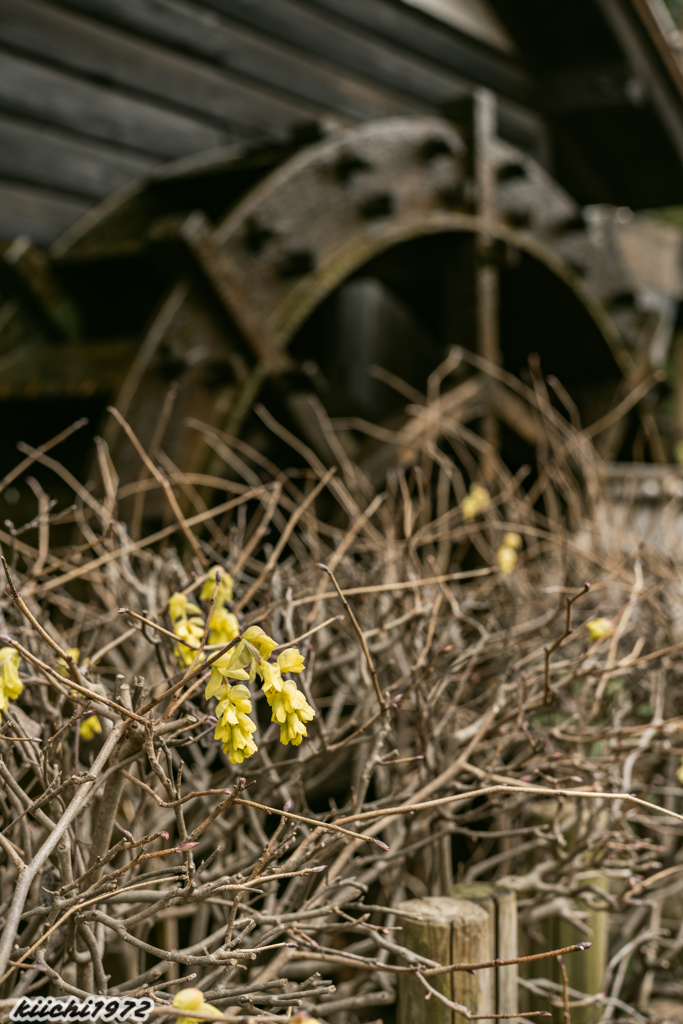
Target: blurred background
[205,204]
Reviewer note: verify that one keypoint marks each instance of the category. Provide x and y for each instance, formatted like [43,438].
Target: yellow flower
[234,727]
[272,677]
[599,628]
[247,659]
[244,660]
[188,624]
[679,772]
[507,559]
[228,666]
[89,727]
[264,644]
[224,592]
[513,540]
[290,710]
[188,999]
[193,999]
[10,683]
[179,607]
[506,555]
[75,653]
[224,627]
[475,502]
[191,630]
[291,660]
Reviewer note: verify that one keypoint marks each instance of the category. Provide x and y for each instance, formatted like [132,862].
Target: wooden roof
[95,93]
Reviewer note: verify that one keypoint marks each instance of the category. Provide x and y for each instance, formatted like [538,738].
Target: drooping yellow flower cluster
[188,624]
[248,660]
[224,626]
[193,999]
[290,708]
[188,621]
[476,501]
[506,555]
[235,727]
[10,683]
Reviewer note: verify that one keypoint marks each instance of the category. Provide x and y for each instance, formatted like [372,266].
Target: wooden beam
[26,273]
[31,89]
[48,157]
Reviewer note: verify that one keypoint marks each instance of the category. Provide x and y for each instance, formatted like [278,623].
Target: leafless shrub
[479,712]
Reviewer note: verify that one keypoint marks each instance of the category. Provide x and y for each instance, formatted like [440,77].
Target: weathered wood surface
[436,41]
[501,905]
[100,50]
[87,108]
[344,46]
[446,930]
[243,51]
[41,213]
[46,156]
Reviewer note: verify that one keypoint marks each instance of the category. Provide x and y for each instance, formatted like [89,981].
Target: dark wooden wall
[95,93]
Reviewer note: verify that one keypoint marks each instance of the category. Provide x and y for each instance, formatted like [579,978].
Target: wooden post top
[443,909]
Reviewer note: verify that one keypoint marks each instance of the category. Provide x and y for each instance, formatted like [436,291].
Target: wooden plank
[73,41]
[320,35]
[41,213]
[421,34]
[53,97]
[206,34]
[45,156]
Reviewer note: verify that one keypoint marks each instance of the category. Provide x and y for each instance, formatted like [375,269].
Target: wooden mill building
[95,94]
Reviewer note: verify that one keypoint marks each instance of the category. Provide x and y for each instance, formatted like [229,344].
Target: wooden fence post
[446,930]
[587,972]
[501,905]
